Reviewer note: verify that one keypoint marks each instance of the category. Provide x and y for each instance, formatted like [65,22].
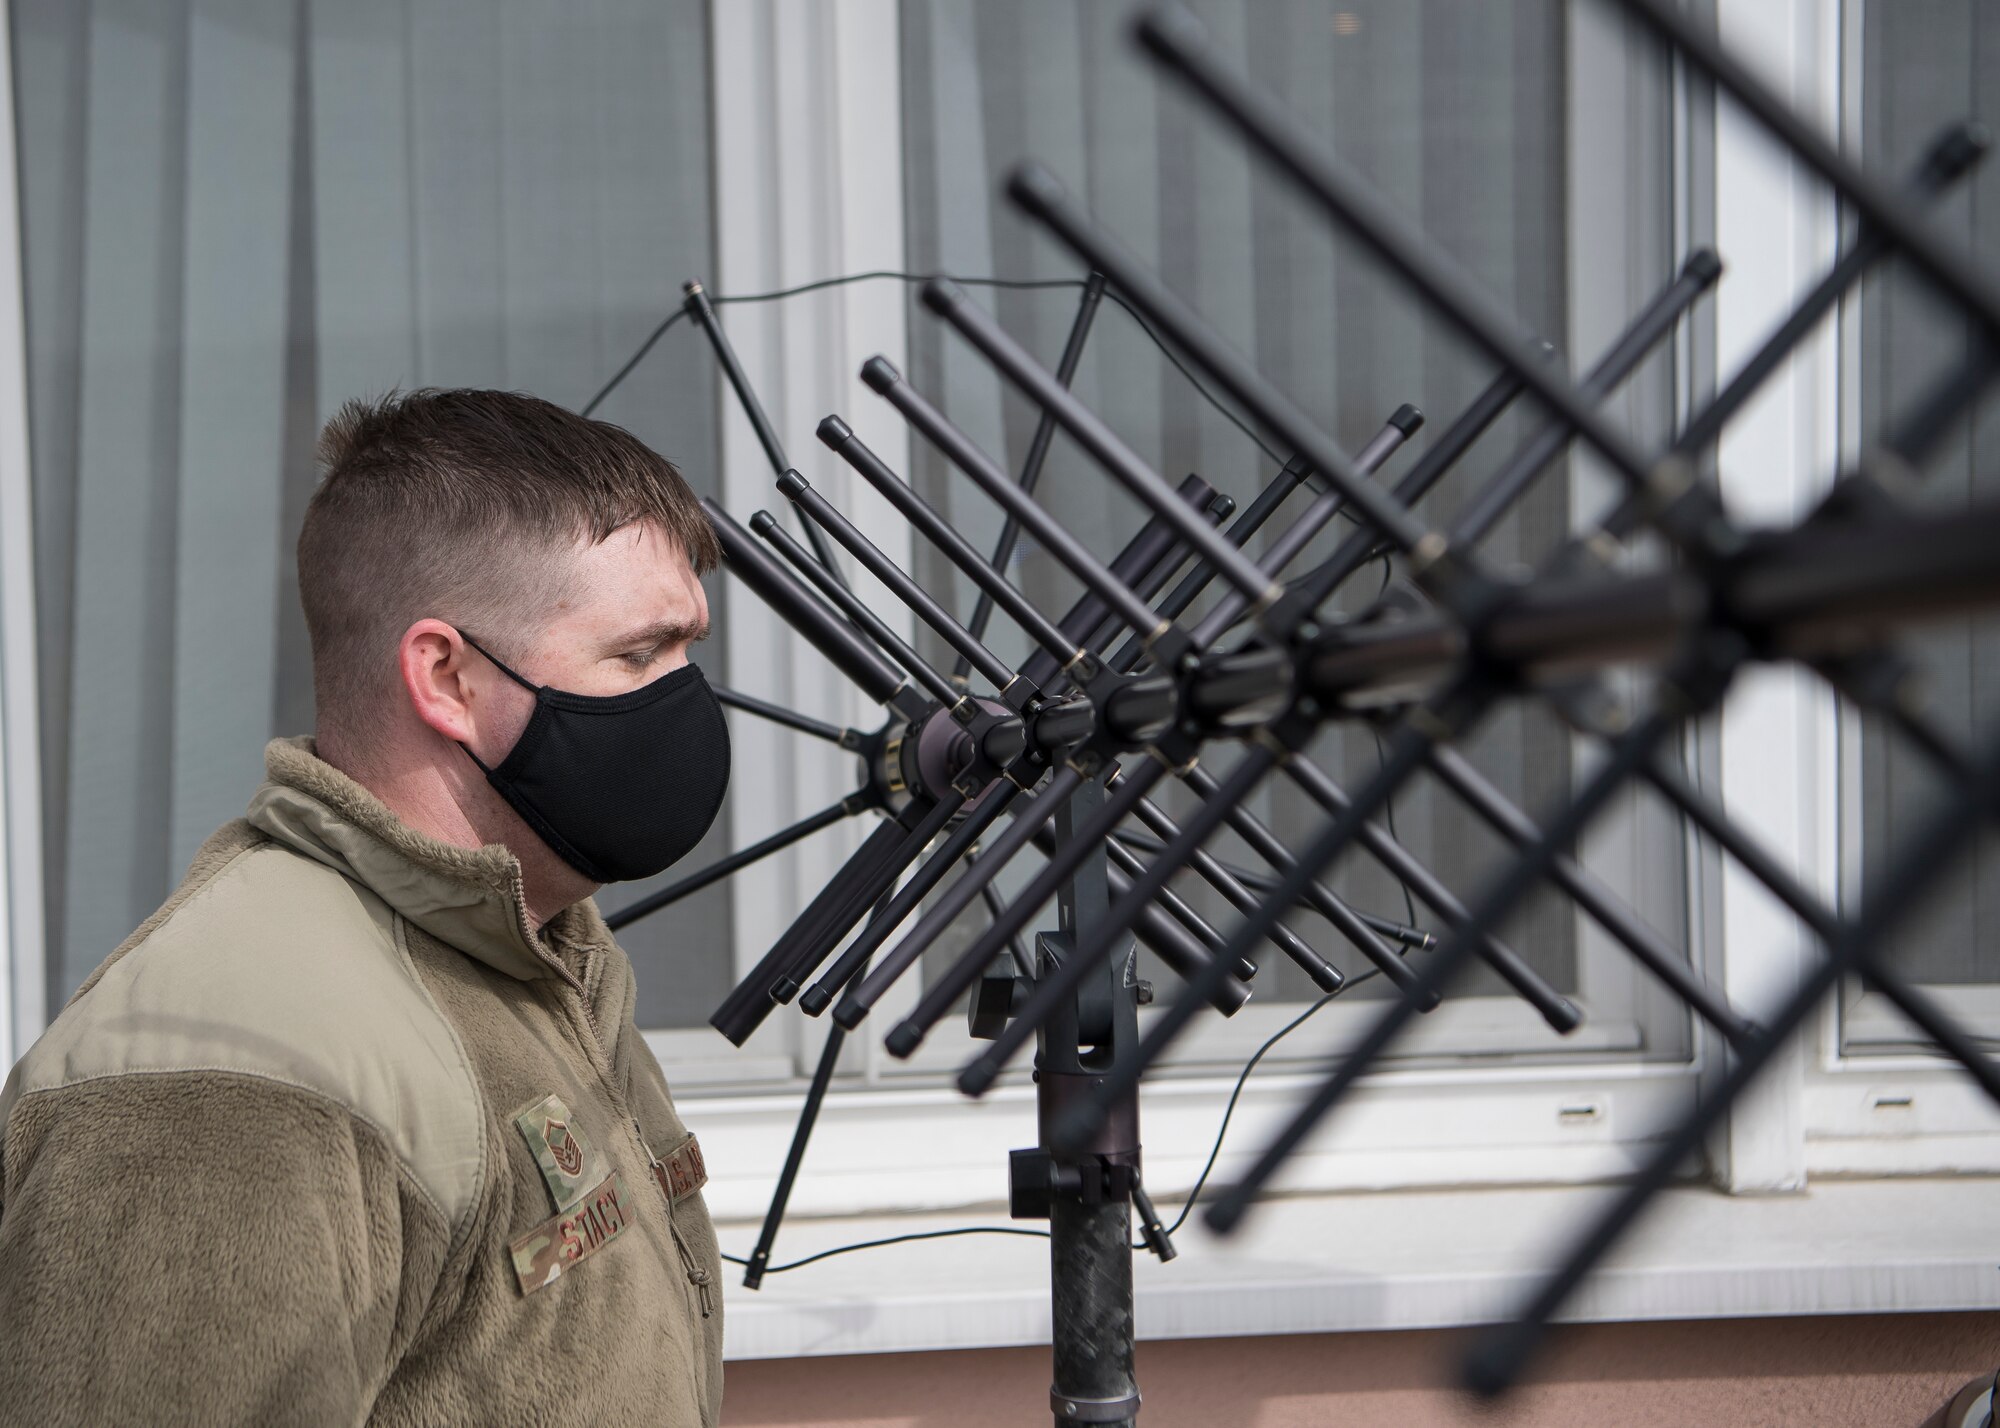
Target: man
[357,1126]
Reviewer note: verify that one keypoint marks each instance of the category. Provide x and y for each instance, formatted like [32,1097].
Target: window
[235,220]
[229,226]
[1480,123]
[1913,80]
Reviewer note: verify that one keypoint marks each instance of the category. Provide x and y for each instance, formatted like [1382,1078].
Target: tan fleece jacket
[335,1138]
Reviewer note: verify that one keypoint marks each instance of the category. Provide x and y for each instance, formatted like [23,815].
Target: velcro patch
[681,1171]
[570,1165]
[551,1250]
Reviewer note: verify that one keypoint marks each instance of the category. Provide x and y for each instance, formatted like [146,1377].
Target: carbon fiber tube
[939,688]
[801,609]
[885,380]
[1144,564]
[820,995]
[839,437]
[979,327]
[897,580]
[749,1001]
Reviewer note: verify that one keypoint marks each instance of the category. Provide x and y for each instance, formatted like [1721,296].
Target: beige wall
[1873,1371]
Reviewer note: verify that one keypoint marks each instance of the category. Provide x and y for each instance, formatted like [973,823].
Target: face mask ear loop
[533,689]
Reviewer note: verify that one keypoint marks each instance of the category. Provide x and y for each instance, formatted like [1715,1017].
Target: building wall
[1872,1371]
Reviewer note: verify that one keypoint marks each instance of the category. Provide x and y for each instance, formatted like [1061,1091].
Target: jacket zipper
[696,1275]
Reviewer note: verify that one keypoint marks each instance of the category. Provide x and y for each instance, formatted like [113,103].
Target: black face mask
[621,786]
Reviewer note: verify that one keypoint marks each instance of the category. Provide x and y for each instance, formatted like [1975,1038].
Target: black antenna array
[1062,751]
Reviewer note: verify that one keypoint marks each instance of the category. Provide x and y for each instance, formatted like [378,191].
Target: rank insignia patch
[549,1251]
[570,1164]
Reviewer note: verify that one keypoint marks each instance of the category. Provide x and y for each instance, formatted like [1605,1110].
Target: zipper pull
[697,1276]
[659,1170]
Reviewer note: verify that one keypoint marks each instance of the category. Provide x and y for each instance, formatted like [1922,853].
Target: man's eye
[640,659]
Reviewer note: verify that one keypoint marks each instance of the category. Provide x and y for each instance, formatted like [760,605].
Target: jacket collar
[468,898]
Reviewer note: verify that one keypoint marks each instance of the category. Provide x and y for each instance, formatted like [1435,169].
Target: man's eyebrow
[662,632]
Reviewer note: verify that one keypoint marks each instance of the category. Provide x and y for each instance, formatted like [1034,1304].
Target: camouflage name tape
[570,1164]
[551,1250]
[681,1171]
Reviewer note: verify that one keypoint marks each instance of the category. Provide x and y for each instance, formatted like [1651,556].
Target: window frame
[1876,1102]
[23,990]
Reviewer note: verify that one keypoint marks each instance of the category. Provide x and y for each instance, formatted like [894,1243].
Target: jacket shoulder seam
[152,926]
[409,963]
[456,1107]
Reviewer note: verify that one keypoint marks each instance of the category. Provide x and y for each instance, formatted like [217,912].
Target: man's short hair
[463,506]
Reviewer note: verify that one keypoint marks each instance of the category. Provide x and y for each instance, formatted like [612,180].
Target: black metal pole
[921,602]
[993,586]
[781,1194]
[941,689]
[887,382]
[853,962]
[1071,854]
[1403,423]
[949,301]
[802,610]
[750,1001]
[1038,452]
[790,718]
[738,860]
[703,312]
[1090,1210]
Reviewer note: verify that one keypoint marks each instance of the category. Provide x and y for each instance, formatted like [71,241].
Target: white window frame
[1772,749]
[803,95]
[22,987]
[1896,1110]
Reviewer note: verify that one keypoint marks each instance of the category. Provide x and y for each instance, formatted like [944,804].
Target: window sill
[1424,1259]
[894,1151]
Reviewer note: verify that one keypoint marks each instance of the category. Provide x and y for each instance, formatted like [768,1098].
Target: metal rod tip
[1223,1216]
[978,1078]
[1166,29]
[880,374]
[1495,1362]
[942,295]
[904,1040]
[1033,185]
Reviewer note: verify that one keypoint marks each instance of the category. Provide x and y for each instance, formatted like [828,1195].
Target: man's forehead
[636,578]
[639,550]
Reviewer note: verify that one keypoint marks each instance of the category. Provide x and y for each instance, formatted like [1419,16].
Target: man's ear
[436,667]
